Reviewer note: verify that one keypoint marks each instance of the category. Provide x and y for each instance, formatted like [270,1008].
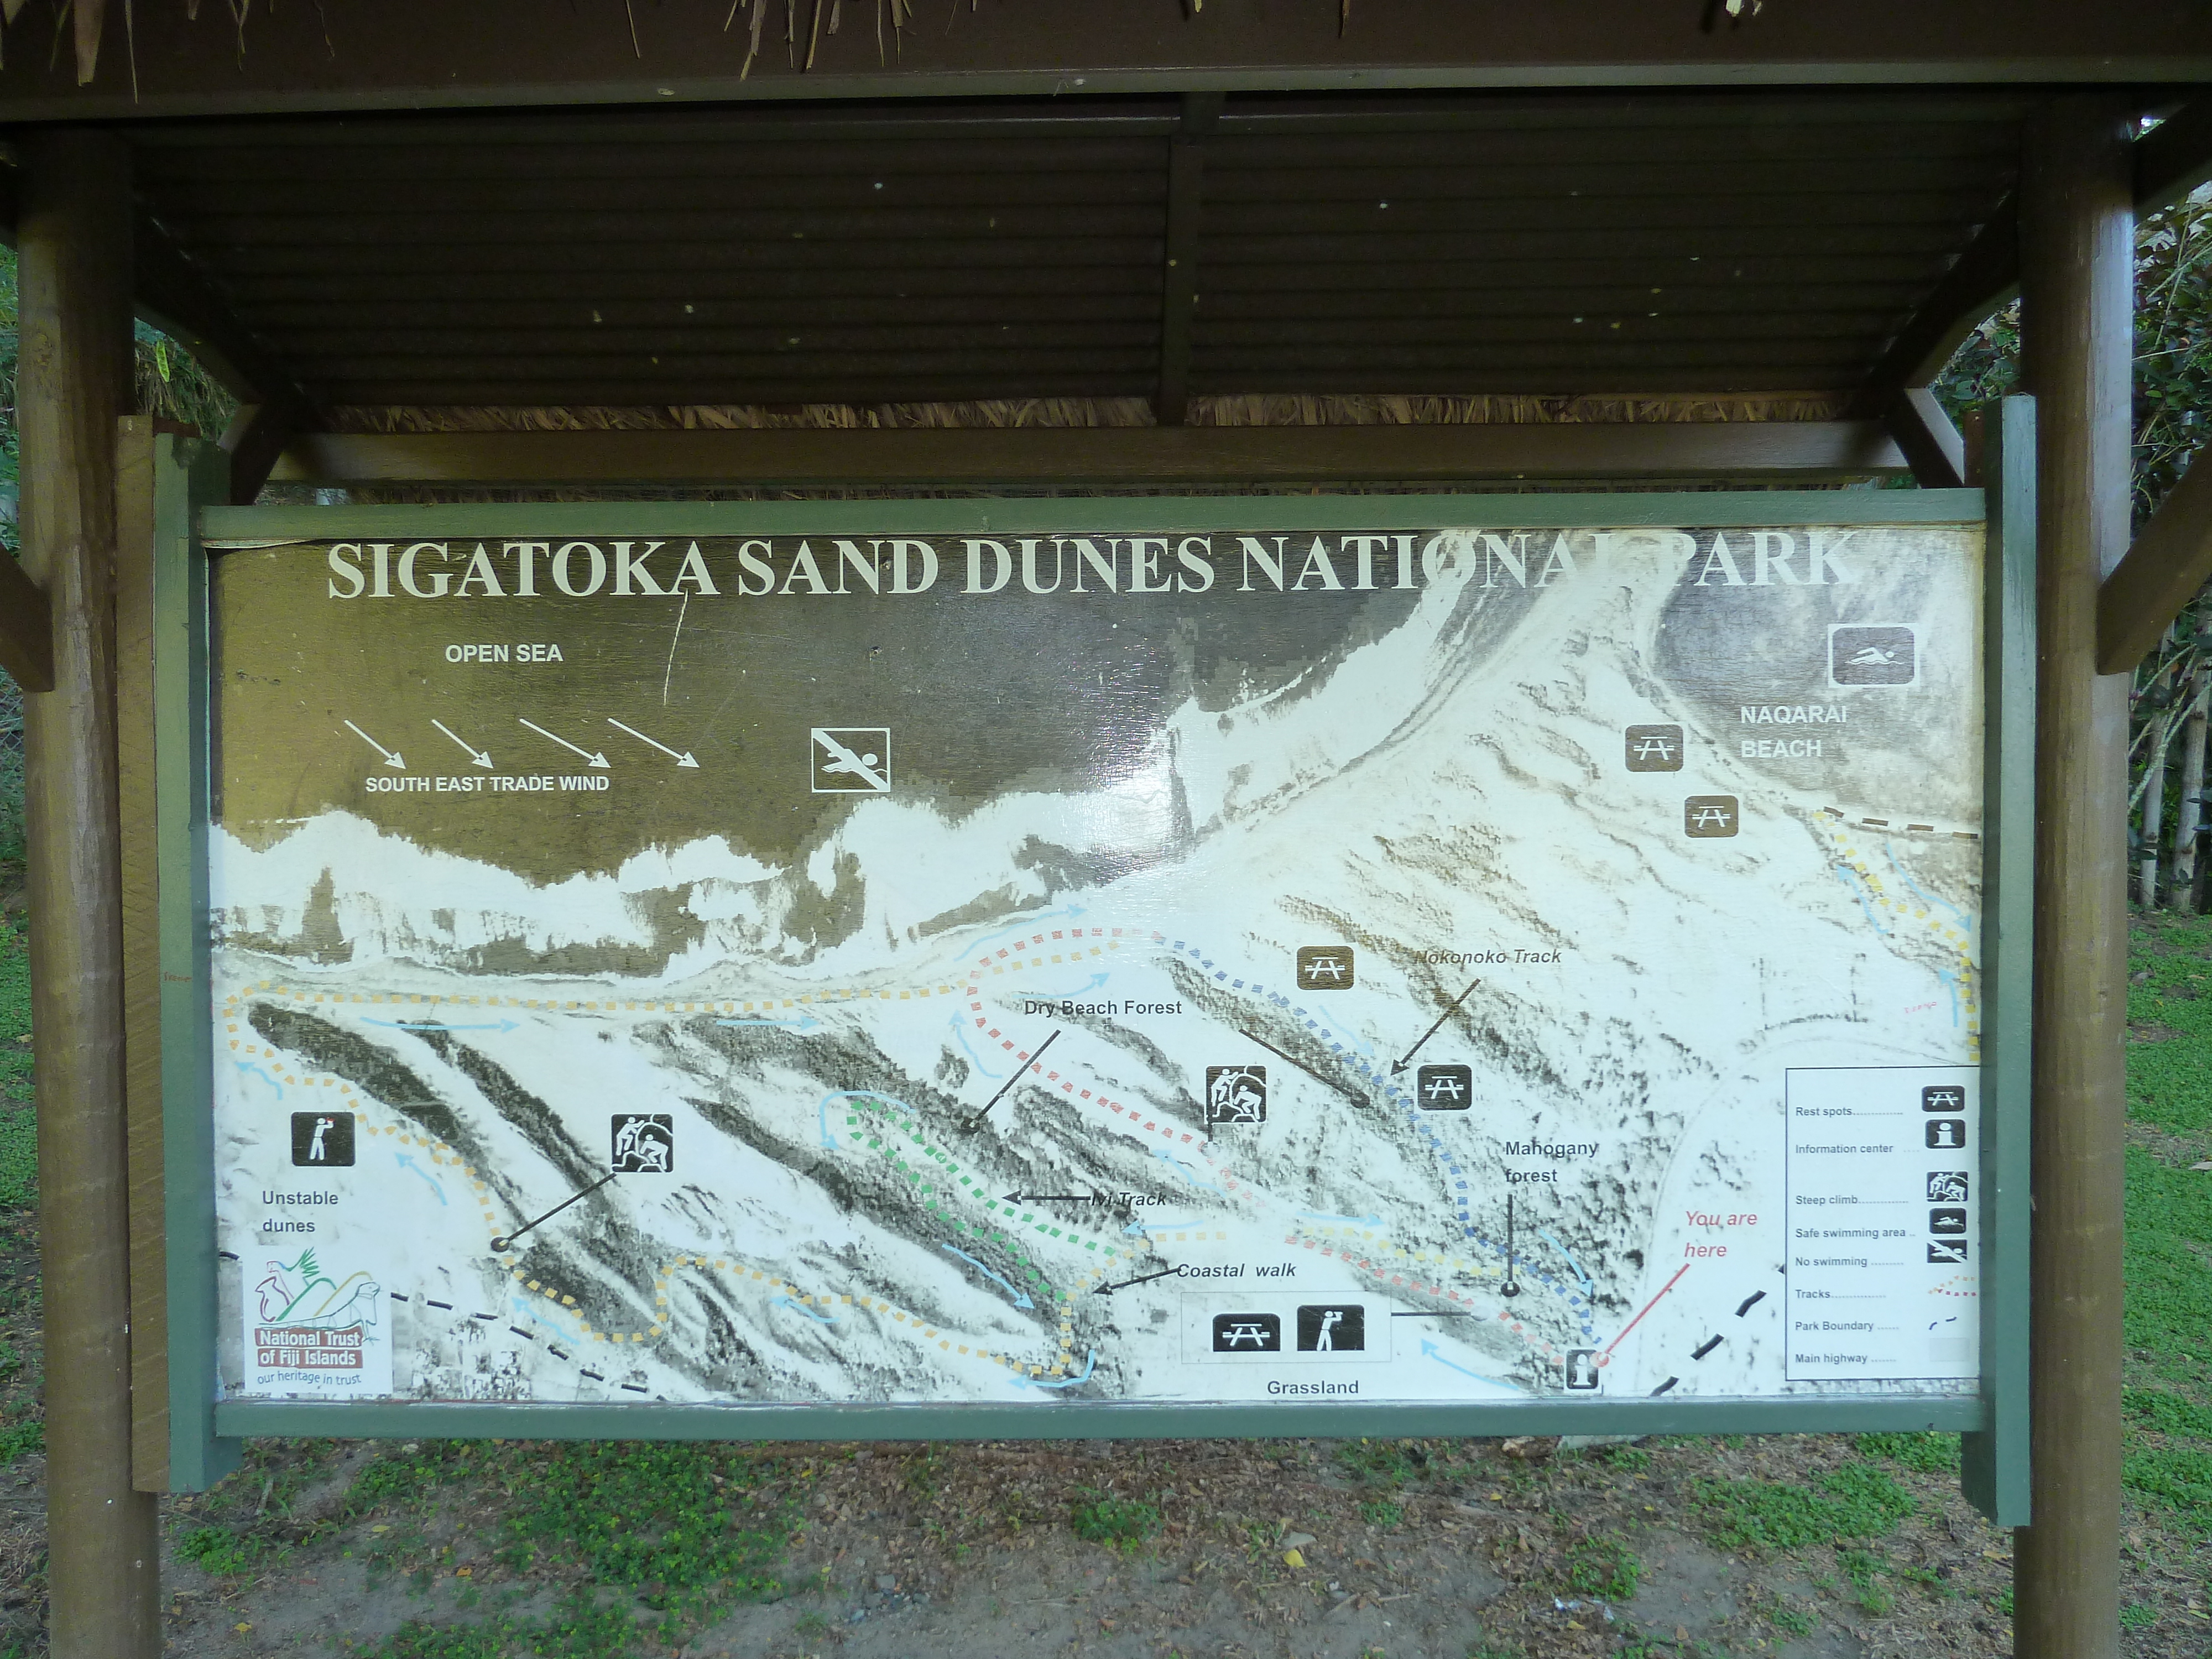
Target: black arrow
[1109,1290]
[1055,1198]
[1510,1287]
[1399,1064]
[1330,1083]
[1012,1080]
[502,1243]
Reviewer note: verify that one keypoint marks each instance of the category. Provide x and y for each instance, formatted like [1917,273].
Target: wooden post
[74,238]
[2077,300]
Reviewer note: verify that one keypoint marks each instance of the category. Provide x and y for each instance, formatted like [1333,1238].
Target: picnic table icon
[851,759]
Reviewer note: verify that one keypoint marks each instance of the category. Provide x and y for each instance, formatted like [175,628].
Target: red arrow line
[1648,1307]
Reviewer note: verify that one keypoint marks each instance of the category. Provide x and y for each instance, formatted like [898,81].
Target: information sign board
[1081,966]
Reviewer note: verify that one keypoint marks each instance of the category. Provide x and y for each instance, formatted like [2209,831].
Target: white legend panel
[1885,1243]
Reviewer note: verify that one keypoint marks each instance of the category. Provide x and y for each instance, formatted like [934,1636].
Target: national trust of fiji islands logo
[310,1321]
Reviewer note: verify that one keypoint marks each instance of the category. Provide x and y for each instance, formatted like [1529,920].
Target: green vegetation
[1931,1454]
[220,1550]
[1123,1523]
[677,1533]
[2167,1457]
[1604,1568]
[1382,1463]
[18,1438]
[1857,1501]
[1384,1513]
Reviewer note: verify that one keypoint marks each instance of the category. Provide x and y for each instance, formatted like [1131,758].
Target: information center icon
[1247,1333]
[1582,1368]
[1445,1088]
[1655,748]
[1235,1094]
[1324,967]
[1947,1134]
[322,1140]
[644,1143]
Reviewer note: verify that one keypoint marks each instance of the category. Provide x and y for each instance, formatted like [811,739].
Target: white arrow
[475,754]
[684,759]
[590,759]
[390,759]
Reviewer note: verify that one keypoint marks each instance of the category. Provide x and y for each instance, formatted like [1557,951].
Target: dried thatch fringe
[1255,410]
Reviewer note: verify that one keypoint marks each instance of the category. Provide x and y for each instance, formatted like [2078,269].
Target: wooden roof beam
[2165,569]
[1752,451]
[2170,160]
[177,300]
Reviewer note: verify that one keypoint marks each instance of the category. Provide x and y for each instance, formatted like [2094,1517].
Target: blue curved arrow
[1089,1364]
[436,1186]
[1021,1296]
[436,1025]
[1588,1287]
[801,1308]
[1430,1351]
[804,1023]
[247,1066]
[959,1025]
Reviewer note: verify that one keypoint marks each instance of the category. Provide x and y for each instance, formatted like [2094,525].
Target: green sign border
[206,1439]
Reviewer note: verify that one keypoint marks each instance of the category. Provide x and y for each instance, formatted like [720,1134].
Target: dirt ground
[1311,1549]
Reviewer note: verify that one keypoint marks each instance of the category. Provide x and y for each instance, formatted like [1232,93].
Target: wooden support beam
[177,299]
[2077,258]
[26,638]
[2175,156]
[1752,451]
[1931,443]
[1983,278]
[74,242]
[2168,565]
[254,439]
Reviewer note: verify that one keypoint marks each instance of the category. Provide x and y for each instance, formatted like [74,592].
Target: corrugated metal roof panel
[1429,243]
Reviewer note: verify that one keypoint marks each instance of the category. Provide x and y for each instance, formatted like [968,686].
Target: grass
[1121,1523]
[1384,1513]
[1931,1454]
[1604,1568]
[1857,1501]
[2168,1405]
[648,1542]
